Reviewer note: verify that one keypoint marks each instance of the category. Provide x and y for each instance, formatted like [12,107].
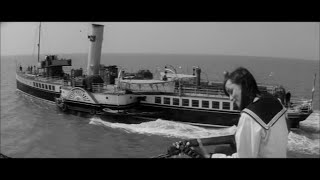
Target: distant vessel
[299,109]
[299,112]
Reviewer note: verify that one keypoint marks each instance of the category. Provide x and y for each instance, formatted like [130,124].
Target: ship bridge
[52,65]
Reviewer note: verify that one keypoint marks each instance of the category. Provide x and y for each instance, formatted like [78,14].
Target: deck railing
[296,101]
[55,79]
[200,91]
[99,87]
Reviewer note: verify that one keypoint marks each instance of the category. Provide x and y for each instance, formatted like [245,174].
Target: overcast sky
[271,39]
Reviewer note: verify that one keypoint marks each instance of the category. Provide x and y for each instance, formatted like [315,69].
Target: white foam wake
[302,144]
[296,142]
[167,129]
[312,123]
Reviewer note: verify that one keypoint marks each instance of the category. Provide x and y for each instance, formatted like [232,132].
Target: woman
[262,130]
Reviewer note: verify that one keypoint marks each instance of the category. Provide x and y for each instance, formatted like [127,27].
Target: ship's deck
[191,95]
[142,81]
[37,77]
[108,89]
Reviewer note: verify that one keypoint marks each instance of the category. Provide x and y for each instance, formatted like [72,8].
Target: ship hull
[198,117]
[295,118]
[180,114]
[94,108]
[203,118]
[39,93]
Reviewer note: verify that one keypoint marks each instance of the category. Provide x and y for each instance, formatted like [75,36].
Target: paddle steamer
[104,89]
[90,92]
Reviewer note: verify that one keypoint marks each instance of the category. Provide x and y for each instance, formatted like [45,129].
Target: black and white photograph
[160,89]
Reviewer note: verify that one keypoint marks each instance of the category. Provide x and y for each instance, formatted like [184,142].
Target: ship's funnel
[94,55]
[197,73]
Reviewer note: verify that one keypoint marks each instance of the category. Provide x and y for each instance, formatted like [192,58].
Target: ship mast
[39,42]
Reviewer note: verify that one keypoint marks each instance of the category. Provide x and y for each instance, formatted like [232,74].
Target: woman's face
[234,91]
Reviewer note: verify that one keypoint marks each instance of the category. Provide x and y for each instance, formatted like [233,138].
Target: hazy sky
[271,39]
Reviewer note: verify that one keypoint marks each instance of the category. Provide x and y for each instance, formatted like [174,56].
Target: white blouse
[254,141]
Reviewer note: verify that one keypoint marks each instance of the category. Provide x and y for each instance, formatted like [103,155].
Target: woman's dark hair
[249,87]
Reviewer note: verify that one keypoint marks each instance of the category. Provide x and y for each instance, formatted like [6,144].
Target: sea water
[31,128]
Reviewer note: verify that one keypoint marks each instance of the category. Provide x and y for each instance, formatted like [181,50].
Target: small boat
[298,111]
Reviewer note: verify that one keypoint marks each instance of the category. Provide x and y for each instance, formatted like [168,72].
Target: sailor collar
[266,111]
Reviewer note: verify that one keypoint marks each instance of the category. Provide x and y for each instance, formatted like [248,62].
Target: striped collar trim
[259,120]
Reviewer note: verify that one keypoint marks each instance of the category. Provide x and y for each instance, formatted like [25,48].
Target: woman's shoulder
[265,102]
[264,110]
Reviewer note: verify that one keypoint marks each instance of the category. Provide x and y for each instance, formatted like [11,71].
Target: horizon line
[159,53]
